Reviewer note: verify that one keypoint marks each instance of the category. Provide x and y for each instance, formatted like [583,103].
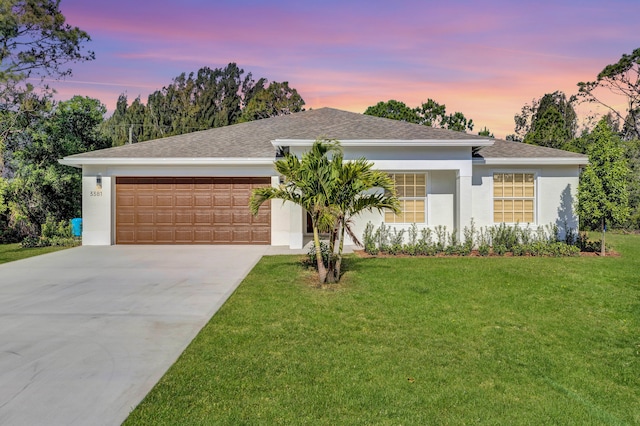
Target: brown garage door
[201,210]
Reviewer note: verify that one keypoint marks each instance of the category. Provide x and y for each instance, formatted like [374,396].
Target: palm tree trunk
[339,254]
[322,270]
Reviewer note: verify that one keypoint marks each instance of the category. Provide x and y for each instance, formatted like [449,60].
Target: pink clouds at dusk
[483,58]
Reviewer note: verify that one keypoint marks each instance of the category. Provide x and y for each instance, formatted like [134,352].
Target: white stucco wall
[555,189]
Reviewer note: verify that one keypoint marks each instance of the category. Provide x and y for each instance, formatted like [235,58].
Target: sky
[486,59]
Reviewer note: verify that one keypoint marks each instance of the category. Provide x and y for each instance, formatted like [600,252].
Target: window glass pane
[497,177]
[414,187]
[389,216]
[508,191]
[528,217]
[518,191]
[528,191]
[508,217]
[518,217]
[529,178]
[518,178]
[508,178]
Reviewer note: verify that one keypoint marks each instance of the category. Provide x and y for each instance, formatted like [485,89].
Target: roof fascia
[79,162]
[387,142]
[542,161]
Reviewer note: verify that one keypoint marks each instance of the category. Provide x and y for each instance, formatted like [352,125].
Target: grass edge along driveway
[13,252]
[417,341]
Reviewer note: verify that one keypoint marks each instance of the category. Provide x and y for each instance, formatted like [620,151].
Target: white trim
[208,161]
[549,161]
[388,142]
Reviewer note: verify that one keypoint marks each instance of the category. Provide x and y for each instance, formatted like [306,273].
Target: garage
[190,210]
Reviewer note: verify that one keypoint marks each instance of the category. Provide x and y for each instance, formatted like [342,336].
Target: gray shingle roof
[253,139]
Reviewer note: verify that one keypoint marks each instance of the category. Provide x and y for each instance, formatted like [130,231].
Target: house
[194,188]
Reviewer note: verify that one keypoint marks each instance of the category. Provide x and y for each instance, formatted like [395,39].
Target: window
[513,197]
[411,189]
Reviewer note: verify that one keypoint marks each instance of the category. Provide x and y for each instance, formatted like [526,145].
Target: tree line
[200,100]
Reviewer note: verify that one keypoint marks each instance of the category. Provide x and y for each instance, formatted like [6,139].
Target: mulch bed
[475,253]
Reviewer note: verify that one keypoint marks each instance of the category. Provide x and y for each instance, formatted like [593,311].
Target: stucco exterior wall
[555,191]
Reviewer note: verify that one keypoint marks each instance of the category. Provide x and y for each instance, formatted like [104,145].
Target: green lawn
[418,341]
[11,252]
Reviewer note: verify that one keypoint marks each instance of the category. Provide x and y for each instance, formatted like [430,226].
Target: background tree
[430,113]
[622,79]
[486,132]
[394,110]
[202,100]
[550,121]
[274,100]
[40,188]
[602,193]
[35,40]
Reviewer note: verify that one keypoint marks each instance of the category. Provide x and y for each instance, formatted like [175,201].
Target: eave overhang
[198,161]
[390,142]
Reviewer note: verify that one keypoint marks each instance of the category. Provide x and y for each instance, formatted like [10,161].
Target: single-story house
[195,188]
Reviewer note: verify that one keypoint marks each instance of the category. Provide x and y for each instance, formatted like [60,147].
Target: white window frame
[536,194]
[426,198]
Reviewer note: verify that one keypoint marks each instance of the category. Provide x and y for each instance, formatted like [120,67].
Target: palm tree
[356,180]
[332,192]
[308,182]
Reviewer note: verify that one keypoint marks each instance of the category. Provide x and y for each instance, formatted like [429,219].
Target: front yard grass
[11,252]
[417,341]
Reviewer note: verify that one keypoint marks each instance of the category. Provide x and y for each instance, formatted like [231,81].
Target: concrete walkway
[85,333]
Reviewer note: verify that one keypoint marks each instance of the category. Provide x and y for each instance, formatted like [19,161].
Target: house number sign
[95,194]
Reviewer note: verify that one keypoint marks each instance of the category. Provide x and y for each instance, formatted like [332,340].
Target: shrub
[324,250]
[369,240]
[504,235]
[396,241]
[484,249]
[500,249]
[382,238]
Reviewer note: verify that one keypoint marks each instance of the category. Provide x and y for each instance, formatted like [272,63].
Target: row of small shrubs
[498,240]
[53,234]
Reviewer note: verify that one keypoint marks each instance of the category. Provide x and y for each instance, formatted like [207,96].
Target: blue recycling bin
[76,227]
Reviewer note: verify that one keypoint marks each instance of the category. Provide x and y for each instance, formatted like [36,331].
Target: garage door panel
[260,236]
[184,200]
[126,218]
[164,200]
[145,235]
[163,218]
[261,219]
[241,218]
[222,235]
[222,217]
[201,210]
[202,218]
[182,218]
[201,200]
[145,218]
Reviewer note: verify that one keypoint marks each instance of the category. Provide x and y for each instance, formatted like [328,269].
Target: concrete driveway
[85,333]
